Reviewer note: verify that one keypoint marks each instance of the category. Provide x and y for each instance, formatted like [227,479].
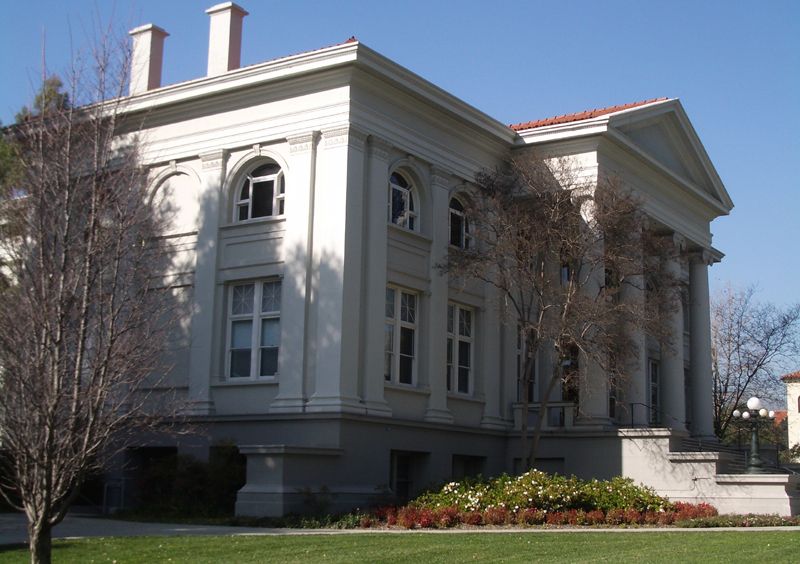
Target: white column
[205,284]
[593,379]
[673,401]
[635,388]
[375,277]
[700,371]
[437,303]
[337,266]
[297,252]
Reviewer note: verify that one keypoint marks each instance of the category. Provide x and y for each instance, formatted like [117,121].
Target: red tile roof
[793,376]
[579,116]
[780,415]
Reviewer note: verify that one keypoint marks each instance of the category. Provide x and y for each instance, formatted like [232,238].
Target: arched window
[261,194]
[402,202]
[459,226]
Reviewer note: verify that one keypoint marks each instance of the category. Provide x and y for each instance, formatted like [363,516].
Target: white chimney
[225,37]
[146,58]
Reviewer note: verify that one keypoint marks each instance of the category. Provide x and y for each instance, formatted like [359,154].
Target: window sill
[408,388]
[238,382]
[255,221]
[402,232]
[465,397]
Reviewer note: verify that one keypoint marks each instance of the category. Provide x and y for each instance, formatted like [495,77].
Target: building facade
[310,199]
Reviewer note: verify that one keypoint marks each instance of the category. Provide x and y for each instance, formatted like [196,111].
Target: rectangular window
[400,336]
[460,331]
[654,393]
[254,329]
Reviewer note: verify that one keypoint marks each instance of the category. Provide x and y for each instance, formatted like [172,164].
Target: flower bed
[539,499]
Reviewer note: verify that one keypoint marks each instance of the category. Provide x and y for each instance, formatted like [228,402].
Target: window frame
[398,324]
[410,197]
[464,239]
[455,338]
[278,194]
[256,317]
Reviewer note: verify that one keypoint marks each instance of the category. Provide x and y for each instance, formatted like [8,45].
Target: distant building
[792,382]
[312,197]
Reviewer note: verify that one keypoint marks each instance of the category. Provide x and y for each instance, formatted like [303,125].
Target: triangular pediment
[664,134]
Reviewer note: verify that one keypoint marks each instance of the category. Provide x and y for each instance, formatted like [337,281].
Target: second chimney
[146,58]
[225,37]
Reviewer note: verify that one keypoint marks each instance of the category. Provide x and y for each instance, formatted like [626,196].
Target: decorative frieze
[379,149]
[440,177]
[302,143]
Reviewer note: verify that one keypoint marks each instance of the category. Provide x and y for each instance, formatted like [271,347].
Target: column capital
[379,148]
[702,256]
[303,142]
[344,135]
[212,160]
[679,241]
[440,177]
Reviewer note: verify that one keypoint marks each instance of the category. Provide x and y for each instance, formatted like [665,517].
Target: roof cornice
[329,58]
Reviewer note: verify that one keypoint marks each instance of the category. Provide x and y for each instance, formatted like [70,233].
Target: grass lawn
[706,547]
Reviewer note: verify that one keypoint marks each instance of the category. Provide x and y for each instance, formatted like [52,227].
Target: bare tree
[752,343]
[85,315]
[559,251]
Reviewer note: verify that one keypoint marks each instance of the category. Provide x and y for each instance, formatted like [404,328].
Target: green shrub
[548,492]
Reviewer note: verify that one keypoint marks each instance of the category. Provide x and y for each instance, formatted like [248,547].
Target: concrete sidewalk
[13,528]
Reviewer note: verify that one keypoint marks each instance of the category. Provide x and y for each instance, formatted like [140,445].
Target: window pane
[406,369]
[456,229]
[407,341]
[408,307]
[390,303]
[387,366]
[269,361]
[450,318]
[463,380]
[243,211]
[240,364]
[449,377]
[262,199]
[243,299]
[398,179]
[241,334]
[464,354]
[245,193]
[270,332]
[398,206]
[266,170]
[449,351]
[271,297]
[464,322]
[388,337]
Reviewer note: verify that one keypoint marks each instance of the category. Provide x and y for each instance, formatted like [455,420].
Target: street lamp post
[756,411]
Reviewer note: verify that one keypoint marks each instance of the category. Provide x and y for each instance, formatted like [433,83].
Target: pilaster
[297,276]
[337,266]
[205,277]
[375,277]
[437,301]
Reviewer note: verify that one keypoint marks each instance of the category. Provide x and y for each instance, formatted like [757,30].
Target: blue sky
[735,65]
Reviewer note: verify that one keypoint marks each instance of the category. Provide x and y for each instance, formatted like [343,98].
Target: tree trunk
[40,543]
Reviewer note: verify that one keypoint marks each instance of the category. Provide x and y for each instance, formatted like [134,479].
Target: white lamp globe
[746,415]
[737,414]
[763,412]
[754,404]
[771,414]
